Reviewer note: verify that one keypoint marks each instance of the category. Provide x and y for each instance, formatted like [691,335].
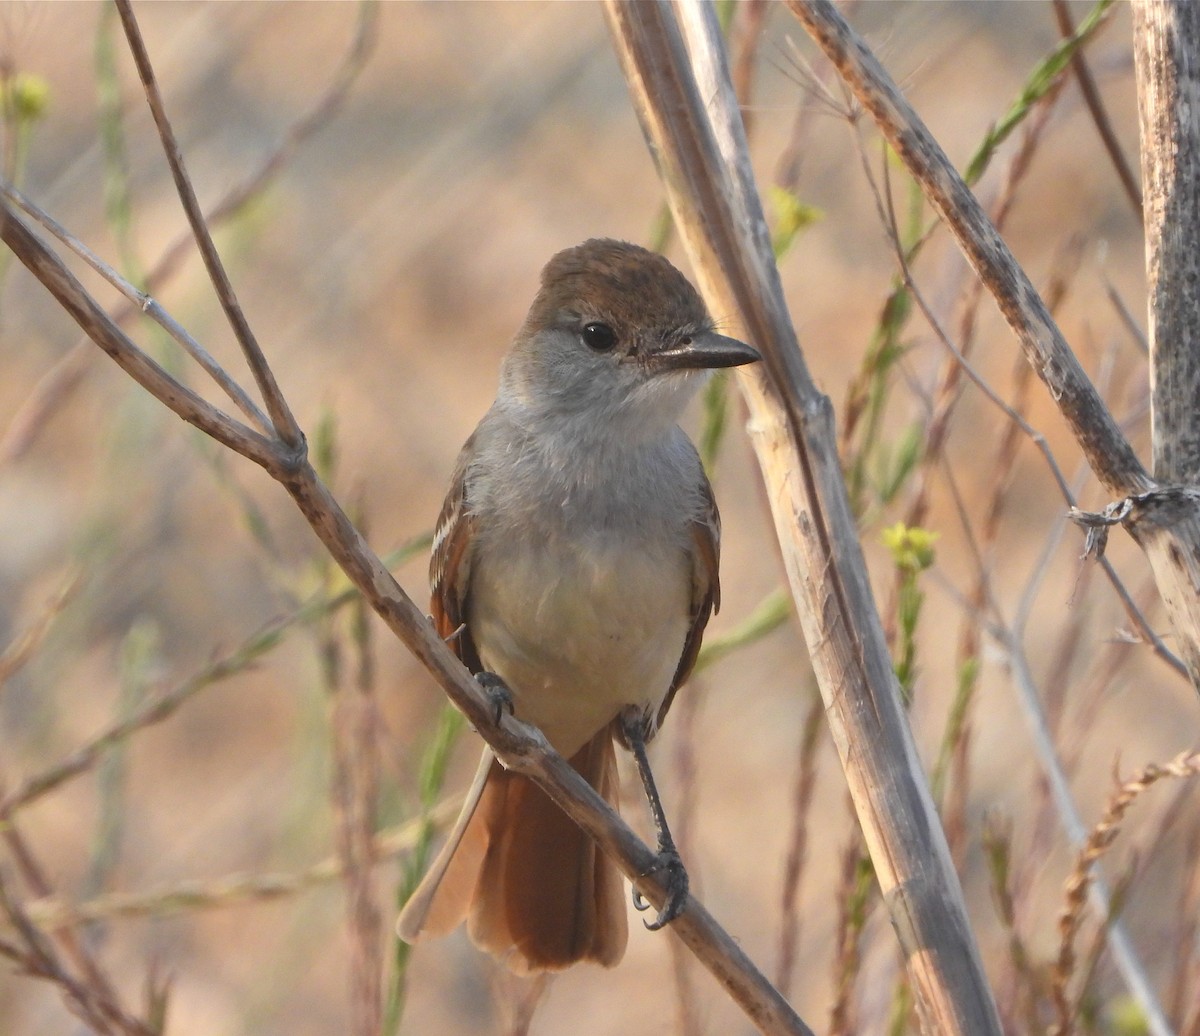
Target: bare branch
[281,415]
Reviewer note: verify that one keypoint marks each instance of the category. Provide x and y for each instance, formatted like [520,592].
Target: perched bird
[575,560]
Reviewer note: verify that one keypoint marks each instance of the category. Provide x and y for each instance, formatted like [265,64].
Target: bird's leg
[498,694]
[633,725]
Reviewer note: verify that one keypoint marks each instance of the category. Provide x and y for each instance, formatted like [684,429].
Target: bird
[574,569]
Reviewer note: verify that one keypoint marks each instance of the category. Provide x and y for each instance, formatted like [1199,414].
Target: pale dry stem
[1025,984]
[159,707]
[854,894]
[54,913]
[24,646]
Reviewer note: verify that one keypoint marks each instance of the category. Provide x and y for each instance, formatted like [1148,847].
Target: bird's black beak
[704,351]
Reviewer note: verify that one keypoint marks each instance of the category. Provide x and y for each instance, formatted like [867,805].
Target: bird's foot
[676,882]
[498,694]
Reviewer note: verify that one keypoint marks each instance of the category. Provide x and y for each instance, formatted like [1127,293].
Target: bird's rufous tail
[534,889]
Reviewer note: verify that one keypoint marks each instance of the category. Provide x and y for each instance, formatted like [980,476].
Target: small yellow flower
[911,548]
[26,96]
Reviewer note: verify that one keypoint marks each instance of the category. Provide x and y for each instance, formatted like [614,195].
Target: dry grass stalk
[87,991]
[159,707]
[797,854]
[1095,106]
[1075,890]
[947,392]
[1026,985]
[53,913]
[23,647]
[38,958]
[355,794]
[855,896]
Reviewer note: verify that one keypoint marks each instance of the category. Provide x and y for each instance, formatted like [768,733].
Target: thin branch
[1128,321]
[281,415]
[39,958]
[161,706]
[54,913]
[93,985]
[946,394]
[366,36]
[17,653]
[803,794]
[1095,106]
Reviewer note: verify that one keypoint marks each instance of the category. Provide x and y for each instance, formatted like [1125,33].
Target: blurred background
[385,264]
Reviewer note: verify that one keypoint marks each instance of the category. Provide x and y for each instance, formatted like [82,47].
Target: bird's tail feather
[535,890]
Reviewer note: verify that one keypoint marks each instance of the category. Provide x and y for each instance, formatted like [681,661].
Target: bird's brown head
[610,320]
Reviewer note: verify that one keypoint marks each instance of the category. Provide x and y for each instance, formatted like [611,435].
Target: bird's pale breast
[579,629]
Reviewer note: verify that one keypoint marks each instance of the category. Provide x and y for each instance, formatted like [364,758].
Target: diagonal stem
[281,414]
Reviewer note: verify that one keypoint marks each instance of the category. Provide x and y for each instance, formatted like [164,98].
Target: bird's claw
[498,694]
[676,882]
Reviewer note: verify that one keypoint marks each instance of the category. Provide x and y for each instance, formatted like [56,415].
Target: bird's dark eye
[599,337]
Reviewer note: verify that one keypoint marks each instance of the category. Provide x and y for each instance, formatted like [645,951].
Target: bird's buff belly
[579,637]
